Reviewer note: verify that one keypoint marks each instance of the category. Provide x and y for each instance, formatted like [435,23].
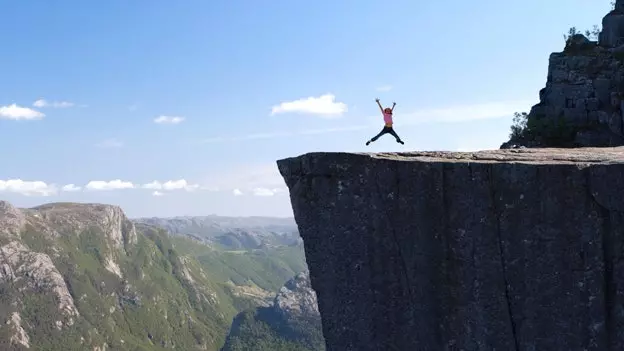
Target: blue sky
[238,84]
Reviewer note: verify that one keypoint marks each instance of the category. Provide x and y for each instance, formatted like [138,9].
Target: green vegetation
[547,131]
[173,292]
[264,330]
[267,269]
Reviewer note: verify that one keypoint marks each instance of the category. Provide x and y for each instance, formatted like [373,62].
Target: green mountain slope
[241,271]
[84,277]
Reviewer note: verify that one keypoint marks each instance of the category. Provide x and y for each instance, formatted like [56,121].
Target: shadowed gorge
[503,249]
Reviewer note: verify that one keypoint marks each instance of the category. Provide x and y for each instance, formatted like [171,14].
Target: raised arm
[381,108]
[393,104]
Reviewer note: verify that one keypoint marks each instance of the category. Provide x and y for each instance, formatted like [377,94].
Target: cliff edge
[517,249]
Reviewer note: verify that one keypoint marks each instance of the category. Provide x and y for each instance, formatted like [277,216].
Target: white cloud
[157,193]
[169,119]
[116,184]
[28,188]
[323,106]
[237,192]
[56,104]
[384,88]
[16,113]
[171,185]
[70,188]
[110,144]
[460,113]
[266,191]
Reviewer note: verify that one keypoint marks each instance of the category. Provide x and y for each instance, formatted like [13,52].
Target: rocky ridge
[230,232]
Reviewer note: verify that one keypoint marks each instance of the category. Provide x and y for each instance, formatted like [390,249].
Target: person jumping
[387,115]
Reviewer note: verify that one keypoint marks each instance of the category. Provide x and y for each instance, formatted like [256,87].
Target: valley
[86,277]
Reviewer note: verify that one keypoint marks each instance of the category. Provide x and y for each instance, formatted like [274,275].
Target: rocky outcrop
[119,230]
[582,103]
[36,271]
[19,335]
[293,322]
[297,297]
[493,250]
[612,34]
[12,220]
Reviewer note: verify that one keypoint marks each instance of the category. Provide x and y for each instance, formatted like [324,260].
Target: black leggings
[385,130]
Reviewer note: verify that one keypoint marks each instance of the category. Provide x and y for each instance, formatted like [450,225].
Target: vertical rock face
[496,250]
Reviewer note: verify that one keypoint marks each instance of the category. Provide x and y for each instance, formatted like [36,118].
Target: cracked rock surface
[492,250]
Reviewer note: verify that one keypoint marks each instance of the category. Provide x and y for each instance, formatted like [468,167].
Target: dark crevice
[393,231]
[497,214]
[607,260]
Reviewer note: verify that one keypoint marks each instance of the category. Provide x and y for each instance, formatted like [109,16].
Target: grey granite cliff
[493,250]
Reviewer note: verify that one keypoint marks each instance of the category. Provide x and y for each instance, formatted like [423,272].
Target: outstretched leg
[383,131]
[396,136]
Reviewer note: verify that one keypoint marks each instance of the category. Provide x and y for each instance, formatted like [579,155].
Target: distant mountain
[85,277]
[235,233]
[292,323]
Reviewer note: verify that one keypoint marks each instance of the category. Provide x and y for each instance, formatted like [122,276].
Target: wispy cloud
[16,113]
[56,104]
[71,188]
[282,134]
[169,119]
[258,180]
[28,188]
[457,113]
[102,185]
[110,144]
[461,113]
[323,106]
[384,88]
[267,191]
[157,193]
[180,184]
